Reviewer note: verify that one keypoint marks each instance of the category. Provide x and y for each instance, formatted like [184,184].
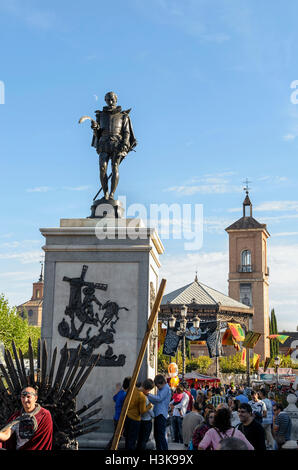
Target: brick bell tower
[248,271]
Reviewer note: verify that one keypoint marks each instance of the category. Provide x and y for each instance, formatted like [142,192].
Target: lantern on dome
[173,369]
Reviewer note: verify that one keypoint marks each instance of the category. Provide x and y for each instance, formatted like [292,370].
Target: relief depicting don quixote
[91,322]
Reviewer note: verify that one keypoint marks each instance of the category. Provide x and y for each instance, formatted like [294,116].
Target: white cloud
[284,234]
[289,137]
[211,188]
[39,189]
[77,188]
[213,270]
[24,257]
[277,206]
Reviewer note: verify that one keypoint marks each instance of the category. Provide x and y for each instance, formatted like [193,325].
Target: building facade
[33,307]
[248,271]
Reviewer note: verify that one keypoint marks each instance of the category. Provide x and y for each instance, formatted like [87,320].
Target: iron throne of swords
[90,321]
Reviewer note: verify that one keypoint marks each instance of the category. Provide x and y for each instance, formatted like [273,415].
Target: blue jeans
[144,434]
[160,424]
[177,425]
[131,433]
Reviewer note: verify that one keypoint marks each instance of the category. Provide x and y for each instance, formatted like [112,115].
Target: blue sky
[209,84]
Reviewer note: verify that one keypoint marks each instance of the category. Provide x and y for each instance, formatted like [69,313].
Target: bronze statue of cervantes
[113,138]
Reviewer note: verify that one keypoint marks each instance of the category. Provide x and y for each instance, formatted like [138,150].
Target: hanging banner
[281,338]
[229,340]
[289,351]
[161,334]
[171,342]
[256,361]
[266,363]
[237,331]
[251,339]
[243,357]
[208,331]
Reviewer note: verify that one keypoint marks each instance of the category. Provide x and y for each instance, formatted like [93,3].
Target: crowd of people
[208,418]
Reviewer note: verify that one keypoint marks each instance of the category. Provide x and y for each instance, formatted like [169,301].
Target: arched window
[30,313]
[37,293]
[246,266]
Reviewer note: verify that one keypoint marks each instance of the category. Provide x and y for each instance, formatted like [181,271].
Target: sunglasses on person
[28,394]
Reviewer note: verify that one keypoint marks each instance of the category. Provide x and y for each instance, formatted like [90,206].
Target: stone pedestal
[101,278]
[292,411]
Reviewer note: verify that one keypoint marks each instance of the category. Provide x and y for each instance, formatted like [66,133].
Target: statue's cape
[132,139]
[41,439]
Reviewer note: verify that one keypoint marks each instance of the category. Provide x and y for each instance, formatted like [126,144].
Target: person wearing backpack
[222,429]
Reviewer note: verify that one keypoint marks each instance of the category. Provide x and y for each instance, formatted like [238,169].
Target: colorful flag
[161,334]
[281,338]
[251,339]
[266,363]
[256,361]
[243,357]
[229,340]
[236,331]
[289,351]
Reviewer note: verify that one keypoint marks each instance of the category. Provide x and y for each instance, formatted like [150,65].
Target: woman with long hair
[221,429]
[234,405]
[201,429]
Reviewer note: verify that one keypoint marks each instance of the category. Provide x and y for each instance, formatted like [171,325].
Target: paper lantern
[173,369]
[174,381]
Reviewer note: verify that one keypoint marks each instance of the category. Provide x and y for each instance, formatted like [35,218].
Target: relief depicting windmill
[84,310]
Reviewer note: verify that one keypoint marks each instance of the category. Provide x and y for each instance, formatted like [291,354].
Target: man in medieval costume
[30,428]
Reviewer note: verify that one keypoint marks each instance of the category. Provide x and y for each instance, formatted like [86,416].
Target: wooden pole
[136,371]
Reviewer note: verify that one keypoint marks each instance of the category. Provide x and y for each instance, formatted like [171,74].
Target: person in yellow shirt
[137,408]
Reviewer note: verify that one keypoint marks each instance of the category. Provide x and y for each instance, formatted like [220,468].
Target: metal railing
[245,268]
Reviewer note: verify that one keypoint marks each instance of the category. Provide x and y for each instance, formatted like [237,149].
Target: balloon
[174,381]
[173,369]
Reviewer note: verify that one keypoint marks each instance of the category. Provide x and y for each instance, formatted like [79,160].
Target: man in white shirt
[258,407]
[179,411]
[268,419]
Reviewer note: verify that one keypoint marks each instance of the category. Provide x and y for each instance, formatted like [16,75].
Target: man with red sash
[30,428]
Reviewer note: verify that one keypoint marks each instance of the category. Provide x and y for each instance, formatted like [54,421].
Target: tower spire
[247,201]
[41,270]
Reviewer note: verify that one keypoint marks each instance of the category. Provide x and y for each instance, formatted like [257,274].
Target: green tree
[200,364]
[273,330]
[232,364]
[15,328]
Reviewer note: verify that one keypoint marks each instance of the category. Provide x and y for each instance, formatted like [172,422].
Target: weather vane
[246,187]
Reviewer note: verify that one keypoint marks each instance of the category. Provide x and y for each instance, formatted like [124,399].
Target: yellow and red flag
[229,340]
[243,357]
[256,361]
[237,331]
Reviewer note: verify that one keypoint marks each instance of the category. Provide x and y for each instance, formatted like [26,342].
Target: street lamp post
[277,364]
[183,331]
